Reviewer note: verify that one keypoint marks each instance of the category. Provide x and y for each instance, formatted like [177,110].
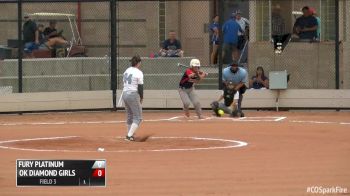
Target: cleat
[130,139]
[235,114]
[200,117]
[242,114]
[187,113]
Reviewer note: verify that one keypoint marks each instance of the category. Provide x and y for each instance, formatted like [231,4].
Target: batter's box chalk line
[251,119]
[229,144]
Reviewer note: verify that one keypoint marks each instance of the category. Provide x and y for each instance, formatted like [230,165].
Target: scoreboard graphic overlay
[61,172]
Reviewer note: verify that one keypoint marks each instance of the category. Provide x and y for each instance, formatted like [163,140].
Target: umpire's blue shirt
[236,78]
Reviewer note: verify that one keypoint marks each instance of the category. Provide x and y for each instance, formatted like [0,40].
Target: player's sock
[198,110]
[199,114]
[187,113]
[128,129]
[132,129]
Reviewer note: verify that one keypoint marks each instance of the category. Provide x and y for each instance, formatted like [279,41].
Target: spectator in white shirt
[244,23]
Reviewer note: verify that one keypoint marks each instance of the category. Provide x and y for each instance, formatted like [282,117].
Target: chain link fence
[310,63]
[8,45]
[344,26]
[83,61]
[70,52]
[144,32]
[75,60]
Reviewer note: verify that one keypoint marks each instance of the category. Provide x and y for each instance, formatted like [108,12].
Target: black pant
[241,42]
[241,92]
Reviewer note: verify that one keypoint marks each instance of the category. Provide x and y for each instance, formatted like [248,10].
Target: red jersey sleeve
[189,72]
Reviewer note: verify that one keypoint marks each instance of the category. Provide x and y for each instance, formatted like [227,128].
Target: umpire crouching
[238,76]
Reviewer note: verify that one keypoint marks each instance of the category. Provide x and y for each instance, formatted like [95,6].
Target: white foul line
[233,144]
[310,121]
[173,119]
[344,123]
[280,118]
[180,119]
[36,139]
[84,122]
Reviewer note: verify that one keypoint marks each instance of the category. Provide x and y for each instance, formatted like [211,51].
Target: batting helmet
[195,63]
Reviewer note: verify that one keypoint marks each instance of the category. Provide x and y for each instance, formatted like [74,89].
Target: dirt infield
[266,153]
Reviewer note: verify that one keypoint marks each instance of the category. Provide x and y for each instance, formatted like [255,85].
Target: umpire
[238,76]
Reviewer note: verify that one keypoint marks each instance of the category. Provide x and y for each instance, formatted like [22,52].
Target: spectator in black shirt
[171,47]
[48,43]
[306,25]
[30,33]
[51,30]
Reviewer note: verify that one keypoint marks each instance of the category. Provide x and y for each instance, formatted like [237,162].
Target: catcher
[230,104]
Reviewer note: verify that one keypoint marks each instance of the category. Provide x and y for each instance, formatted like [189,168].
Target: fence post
[20,48]
[221,22]
[113,52]
[337,42]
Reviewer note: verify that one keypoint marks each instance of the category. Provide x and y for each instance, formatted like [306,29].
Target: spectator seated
[171,47]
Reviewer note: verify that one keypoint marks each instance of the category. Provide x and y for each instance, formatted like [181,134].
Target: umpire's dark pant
[241,92]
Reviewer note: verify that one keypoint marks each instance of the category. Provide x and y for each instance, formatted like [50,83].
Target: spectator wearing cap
[30,32]
[259,81]
[230,31]
[244,23]
[238,76]
[305,26]
[314,14]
